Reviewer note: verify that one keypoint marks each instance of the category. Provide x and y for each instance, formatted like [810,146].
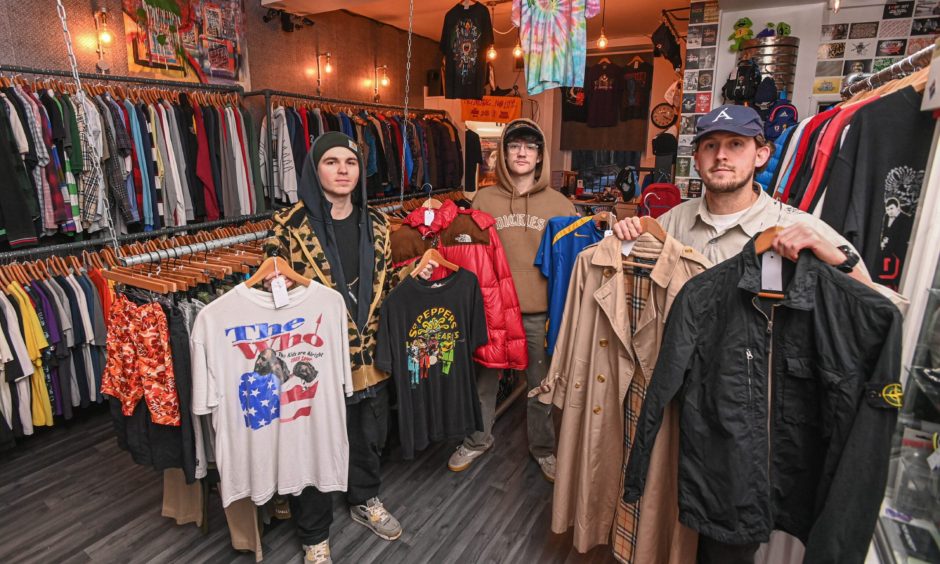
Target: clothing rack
[182,250]
[415,196]
[66,248]
[901,68]
[118,78]
[668,16]
[269,94]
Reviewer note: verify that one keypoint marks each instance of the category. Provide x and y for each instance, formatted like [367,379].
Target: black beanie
[332,139]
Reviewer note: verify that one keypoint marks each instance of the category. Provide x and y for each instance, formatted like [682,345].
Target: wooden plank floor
[70,495]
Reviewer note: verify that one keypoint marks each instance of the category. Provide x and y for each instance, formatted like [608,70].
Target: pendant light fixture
[517,50]
[602,40]
[491,52]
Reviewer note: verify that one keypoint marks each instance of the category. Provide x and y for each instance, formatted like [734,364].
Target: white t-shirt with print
[274,381]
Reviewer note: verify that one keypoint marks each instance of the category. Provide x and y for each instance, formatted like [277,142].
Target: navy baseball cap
[741,120]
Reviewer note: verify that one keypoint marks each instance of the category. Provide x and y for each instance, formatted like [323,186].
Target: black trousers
[711,551]
[367,429]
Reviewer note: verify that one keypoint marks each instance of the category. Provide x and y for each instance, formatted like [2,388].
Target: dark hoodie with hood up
[304,235]
[521,221]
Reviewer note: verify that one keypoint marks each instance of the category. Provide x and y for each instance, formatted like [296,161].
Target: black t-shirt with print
[603,87]
[428,332]
[347,234]
[465,37]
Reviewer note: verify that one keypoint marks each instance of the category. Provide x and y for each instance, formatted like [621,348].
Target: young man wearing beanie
[729,146]
[332,237]
[522,203]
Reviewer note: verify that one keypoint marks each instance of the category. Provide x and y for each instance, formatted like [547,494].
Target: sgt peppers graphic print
[274,382]
[431,343]
[428,332]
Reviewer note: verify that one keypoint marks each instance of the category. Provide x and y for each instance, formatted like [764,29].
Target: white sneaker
[463,458]
[317,553]
[547,464]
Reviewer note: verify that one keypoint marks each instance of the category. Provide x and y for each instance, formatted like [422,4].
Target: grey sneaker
[547,464]
[374,515]
[463,457]
[317,553]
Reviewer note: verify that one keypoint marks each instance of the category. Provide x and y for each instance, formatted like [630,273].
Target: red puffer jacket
[468,239]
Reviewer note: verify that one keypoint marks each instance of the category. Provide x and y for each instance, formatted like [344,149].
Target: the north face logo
[463,238]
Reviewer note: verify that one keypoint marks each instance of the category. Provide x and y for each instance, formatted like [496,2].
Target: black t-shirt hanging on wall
[466,36]
[473,158]
[637,83]
[603,85]
[428,332]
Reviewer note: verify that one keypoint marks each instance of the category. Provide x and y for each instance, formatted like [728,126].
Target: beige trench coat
[597,356]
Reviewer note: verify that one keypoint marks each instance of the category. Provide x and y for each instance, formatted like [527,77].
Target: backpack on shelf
[782,116]
[658,198]
[743,86]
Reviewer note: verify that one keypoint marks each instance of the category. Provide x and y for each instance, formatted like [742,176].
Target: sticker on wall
[894,10]
[694,38]
[894,28]
[703,102]
[695,189]
[827,85]
[831,51]
[915,44]
[706,79]
[852,67]
[828,68]
[683,165]
[697,13]
[834,32]
[925,26]
[691,59]
[860,48]
[927,8]
[687,125]
[706,58]
[883,63]
[688,103]
[690,80]
[683,186]
[711,12]
[891,47]
[709,35]
[684,151]
[686,140]
[863,30]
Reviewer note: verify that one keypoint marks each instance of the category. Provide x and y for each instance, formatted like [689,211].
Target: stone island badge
[893,395]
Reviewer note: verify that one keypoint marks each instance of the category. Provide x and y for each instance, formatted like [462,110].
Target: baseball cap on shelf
[741,120]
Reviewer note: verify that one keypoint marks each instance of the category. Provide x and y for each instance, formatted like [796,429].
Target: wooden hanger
[652,226]
[763,244]
[279,265]
[604,61]
[427,257]
[636,61]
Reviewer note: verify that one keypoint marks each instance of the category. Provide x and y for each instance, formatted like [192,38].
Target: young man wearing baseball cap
[522,202]
[729,148]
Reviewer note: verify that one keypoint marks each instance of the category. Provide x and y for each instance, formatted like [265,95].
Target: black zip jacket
[787,407]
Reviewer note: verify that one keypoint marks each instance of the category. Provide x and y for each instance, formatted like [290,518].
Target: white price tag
[771,272]
[608,233]
[279,292]
[428,217]
[627,247]
[934,460]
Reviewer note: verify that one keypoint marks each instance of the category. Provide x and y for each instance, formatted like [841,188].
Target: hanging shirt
[602,92]
[637,83]
[564,238]
[553,34]
[427,334]
[465,38]
[274,380]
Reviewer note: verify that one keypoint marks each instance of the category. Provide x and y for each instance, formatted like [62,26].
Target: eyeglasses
[517,147]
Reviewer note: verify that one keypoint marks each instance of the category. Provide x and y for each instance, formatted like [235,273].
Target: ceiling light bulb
[105,37]
[517,50]
[491,53]
[835,6]
[602,40]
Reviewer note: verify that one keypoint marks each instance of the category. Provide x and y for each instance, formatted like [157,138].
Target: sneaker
[317,553]
[547,464]
[374,515]
[463,458]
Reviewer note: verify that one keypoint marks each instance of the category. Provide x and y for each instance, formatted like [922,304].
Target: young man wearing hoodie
[522,203]
[332,208]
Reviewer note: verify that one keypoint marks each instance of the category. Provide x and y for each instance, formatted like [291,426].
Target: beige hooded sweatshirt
[521,222]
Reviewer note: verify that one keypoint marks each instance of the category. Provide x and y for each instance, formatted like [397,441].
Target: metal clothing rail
[119,78]
[268,94]
[901,68]
[182,250]
[66,248]
[412,196]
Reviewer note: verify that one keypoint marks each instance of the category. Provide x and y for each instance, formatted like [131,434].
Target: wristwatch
[851,259]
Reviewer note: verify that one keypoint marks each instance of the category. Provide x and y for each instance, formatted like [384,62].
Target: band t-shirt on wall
[428,332]
[274,381]
[603,87]
[637,83]
[465,37]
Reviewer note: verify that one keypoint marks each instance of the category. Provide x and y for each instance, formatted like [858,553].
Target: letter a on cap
[723,114]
